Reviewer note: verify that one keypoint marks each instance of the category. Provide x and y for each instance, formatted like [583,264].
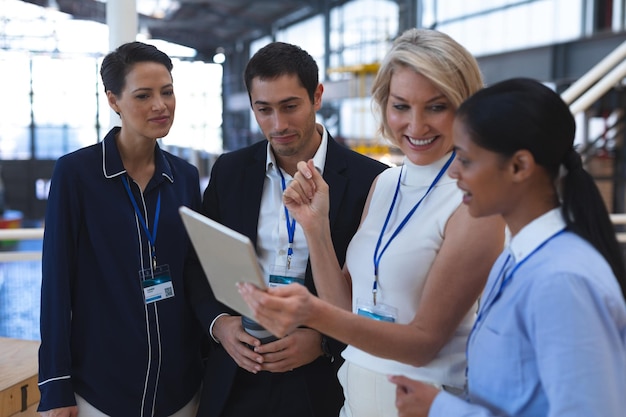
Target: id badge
[157,284]
[282,276]
[380,311]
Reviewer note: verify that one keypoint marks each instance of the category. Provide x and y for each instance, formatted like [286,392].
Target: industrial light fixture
[219,56]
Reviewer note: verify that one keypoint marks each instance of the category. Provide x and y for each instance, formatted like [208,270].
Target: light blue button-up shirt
[552,341]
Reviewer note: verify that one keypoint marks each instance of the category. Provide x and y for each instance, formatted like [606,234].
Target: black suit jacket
[233,198]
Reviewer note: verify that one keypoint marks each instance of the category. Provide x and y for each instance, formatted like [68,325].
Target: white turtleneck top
[404,265]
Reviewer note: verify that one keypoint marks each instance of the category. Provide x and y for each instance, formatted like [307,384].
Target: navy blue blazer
[233,198]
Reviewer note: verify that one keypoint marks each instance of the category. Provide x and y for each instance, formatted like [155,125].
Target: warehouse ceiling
[206,25]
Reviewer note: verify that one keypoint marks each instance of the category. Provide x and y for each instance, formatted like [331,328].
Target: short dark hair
[117,64]
[279,58]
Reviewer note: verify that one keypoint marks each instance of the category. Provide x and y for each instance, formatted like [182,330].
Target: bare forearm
[401,342]
[330,283]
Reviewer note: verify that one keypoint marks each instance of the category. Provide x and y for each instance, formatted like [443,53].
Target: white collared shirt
[272,239]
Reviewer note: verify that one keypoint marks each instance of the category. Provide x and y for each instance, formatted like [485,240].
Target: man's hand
[298,348]
[230,333]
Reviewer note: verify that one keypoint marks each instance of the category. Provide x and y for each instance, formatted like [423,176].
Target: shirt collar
[112,165]
[319,159]
[535,233]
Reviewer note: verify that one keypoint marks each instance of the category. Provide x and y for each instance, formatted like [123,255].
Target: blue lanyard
[151,236]
[291,223]
[377,255]
[506,280]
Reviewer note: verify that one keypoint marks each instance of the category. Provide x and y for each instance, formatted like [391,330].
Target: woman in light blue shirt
[550,337]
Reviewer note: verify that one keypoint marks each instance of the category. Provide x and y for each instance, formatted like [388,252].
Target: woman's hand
[280,310]
[307,197]
[61,412]
[413,398]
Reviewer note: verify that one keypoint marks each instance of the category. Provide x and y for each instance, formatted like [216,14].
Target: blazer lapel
[333,175]
[252,187]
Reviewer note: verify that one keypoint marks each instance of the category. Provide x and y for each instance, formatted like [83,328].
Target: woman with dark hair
[550,336]
[118,336]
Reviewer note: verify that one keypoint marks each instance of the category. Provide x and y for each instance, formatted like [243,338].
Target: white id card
[380,311]
[157,284]
[282,275]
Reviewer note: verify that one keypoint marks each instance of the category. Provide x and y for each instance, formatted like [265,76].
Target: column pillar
[121,18]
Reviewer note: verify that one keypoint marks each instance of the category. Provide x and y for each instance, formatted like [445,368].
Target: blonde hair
[434,55]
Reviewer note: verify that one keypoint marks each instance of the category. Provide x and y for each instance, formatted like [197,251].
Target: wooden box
[19,393]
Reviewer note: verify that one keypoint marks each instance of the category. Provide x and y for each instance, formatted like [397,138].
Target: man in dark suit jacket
[296,375]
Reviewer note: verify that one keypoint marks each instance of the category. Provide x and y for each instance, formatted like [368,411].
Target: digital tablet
[227,257]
